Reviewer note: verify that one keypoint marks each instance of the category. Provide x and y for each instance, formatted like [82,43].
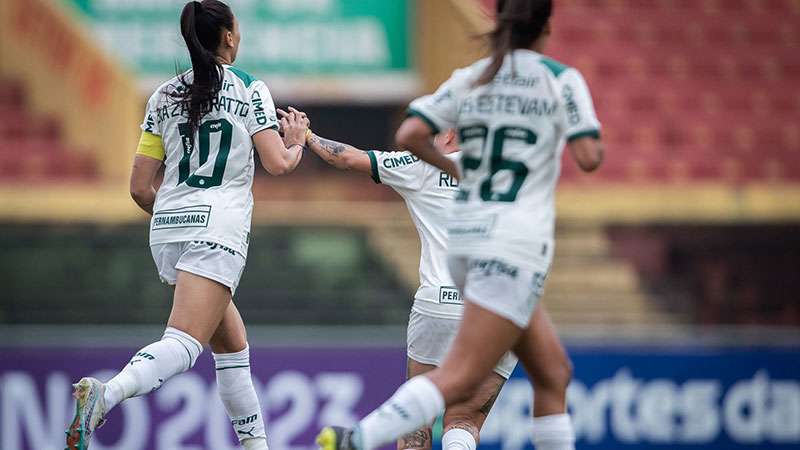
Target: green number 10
[497,163]
[221,126]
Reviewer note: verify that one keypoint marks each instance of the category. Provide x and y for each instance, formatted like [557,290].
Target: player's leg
[198,306]
[463,421]
[540,351]
[417,403]
[234,382]
[420,439]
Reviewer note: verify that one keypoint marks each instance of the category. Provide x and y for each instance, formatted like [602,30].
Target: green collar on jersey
[556,67]
[244,76]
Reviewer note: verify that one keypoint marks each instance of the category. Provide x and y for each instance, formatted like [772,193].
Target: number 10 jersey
[206,193]
[511,132]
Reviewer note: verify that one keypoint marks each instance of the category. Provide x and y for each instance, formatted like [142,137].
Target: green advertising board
[300,42]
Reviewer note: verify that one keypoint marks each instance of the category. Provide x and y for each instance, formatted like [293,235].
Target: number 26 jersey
[512,133]
[206,193]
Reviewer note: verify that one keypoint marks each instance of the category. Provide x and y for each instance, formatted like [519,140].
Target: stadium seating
[31,146]
[688,90]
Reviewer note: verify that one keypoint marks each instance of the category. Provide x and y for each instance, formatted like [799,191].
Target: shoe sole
[75,434]
[326,439]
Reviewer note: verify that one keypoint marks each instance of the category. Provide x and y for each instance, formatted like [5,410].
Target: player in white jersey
[437,309]
[514,112]
[201,127]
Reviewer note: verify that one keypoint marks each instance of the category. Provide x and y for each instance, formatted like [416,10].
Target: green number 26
[221,126]
[497,163]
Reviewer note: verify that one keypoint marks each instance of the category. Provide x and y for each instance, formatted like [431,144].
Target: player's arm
[339,155]
[416,136]
[282,156]
[587,152]
[583,128]
[148,160]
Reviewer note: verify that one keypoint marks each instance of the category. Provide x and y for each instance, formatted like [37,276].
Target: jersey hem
[373,164]
[582,134]
[417,113]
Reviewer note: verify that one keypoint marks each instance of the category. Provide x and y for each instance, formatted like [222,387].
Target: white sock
[240,399]
[151,366]
[458,439]
[553,432]
[416,404]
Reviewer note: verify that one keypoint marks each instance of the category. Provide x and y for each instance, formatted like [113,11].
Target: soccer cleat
[89,411]
[335,438]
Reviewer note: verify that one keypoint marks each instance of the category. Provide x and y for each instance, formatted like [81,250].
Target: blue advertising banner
[665,398]
[621,398]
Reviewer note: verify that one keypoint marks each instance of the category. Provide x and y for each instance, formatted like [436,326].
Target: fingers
[281,112]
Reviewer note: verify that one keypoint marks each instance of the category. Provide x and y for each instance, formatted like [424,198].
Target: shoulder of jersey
[243,76]
[555,67]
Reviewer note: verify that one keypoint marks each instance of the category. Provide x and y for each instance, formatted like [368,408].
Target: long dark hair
[519,24]
[202,24]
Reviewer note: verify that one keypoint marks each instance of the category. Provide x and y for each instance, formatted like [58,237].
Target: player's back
[206,192]
[511,132]
[428,193]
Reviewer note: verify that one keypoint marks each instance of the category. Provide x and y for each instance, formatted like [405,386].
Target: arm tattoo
[332,147]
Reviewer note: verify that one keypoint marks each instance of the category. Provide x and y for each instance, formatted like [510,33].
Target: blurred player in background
[202,127]
[437,309]
[513,111]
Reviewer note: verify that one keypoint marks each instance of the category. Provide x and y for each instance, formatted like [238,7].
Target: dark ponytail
[519,24]
[202,24]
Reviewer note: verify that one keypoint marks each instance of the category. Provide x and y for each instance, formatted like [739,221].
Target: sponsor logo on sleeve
[187,217]
[399,161]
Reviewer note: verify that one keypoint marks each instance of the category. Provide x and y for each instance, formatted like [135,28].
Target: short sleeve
[262,110]
[581,119]
[440,109]
[149,124]
[400,170]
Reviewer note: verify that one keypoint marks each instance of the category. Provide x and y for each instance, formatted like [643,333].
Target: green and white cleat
[335,438]
[90,410]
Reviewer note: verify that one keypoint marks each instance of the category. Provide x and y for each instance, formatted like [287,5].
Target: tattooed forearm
[331,147]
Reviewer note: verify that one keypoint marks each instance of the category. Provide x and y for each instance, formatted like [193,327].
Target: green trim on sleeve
[582,134]
[426,119]
[244,76]
[373,163]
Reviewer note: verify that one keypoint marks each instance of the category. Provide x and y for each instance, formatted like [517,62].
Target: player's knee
[556,376]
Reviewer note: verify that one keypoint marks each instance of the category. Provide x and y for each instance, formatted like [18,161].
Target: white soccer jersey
[428,193]
[206,193]
[512,133]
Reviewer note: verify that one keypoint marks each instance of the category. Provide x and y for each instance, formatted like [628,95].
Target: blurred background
[676,278]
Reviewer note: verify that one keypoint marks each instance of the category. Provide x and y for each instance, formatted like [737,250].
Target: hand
[303,117]
[294,128]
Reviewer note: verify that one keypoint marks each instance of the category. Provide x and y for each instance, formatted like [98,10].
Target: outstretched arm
[416,136]
[339,155]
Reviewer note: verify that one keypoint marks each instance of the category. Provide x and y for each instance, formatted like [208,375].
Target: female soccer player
[202,126]
[437,309]
[513,112]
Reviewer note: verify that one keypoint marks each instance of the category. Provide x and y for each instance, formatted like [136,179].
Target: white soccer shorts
[430,338]
[206,259]
[509,290]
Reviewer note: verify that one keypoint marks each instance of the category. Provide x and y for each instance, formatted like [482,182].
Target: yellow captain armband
[150,145]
